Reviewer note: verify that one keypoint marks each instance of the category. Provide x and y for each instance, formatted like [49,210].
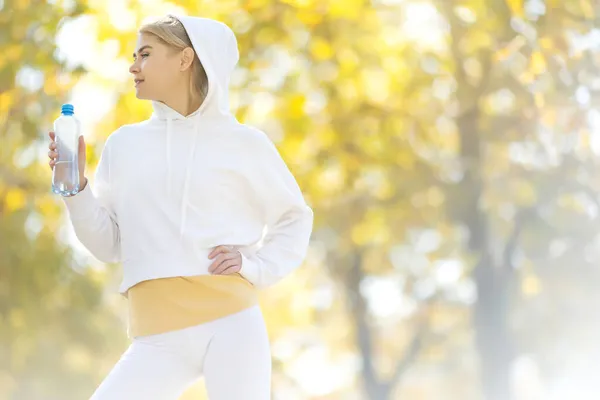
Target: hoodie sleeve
[288,218]
[93,216]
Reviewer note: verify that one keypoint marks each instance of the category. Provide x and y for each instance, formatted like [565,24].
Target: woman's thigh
[238,359]
[152,368]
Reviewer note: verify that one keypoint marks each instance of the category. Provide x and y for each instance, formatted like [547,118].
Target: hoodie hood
[216,46]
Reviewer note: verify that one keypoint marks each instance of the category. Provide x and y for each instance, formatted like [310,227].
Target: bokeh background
[449,149]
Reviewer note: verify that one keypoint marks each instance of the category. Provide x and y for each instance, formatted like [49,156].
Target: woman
[182,200]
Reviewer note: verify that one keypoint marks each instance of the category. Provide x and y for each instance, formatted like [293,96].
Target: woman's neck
[184,105]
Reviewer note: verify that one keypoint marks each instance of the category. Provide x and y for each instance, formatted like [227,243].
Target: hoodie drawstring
[186,185]
[168,150]
[188,171]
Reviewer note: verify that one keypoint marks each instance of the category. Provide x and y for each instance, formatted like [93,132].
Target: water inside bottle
[65,178]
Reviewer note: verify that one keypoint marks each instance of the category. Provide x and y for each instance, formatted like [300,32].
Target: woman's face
[156,68]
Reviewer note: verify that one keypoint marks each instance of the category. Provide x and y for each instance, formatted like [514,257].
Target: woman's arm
[288,218]
[93,216]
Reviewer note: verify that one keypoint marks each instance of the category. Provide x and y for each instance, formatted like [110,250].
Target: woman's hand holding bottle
[53,155]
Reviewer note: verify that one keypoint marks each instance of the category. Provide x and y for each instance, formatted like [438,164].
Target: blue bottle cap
[67,109]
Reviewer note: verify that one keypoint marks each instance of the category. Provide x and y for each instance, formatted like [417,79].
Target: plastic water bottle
[65,175]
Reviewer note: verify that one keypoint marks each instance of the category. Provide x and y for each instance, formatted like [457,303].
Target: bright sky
[93,96]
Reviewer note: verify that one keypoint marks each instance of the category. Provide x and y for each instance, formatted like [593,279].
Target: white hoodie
[168,190]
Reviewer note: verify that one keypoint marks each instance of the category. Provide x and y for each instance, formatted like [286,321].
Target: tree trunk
[490,312]
[375,387]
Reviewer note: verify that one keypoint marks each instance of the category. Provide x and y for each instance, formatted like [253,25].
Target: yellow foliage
[296,104]
[15,199]
[78,358]
[331,179]
[539,99]
[347,59]
[376,85]
[538,63]
[348,9]
[303,315]
[372,229]
[51,87]
[300,3]
[516,7]
[21,4]
[45,205]
[531,285]
[587,9]
[515,45]
[546,43]
[526,77]
[435,197]
[405,160]
[321,49]
[16,318]
[524,193]
[549,117]
[326,137]
[254,4]
[13,52]
[6,101]
[309,17]
[385,190]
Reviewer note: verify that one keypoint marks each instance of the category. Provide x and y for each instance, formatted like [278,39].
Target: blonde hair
[171,32]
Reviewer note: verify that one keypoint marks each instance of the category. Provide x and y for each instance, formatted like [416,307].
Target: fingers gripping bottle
[65,174]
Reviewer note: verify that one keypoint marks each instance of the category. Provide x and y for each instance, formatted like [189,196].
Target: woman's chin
[143,96]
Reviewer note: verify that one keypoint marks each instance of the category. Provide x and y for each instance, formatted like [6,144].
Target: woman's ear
[187,58]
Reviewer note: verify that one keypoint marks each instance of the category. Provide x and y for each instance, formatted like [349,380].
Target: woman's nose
[134,68]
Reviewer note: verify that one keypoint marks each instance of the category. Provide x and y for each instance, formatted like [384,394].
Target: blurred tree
[53,318]
[524,168]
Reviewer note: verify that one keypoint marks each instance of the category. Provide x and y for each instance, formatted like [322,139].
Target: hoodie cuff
[250,270]
[80,205]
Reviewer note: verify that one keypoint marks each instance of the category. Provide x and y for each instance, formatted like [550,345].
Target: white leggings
[232,353]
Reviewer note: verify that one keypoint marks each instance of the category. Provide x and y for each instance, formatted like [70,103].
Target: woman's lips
[138,82]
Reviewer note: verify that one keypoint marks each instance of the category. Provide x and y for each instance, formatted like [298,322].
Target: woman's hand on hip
[227,261]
